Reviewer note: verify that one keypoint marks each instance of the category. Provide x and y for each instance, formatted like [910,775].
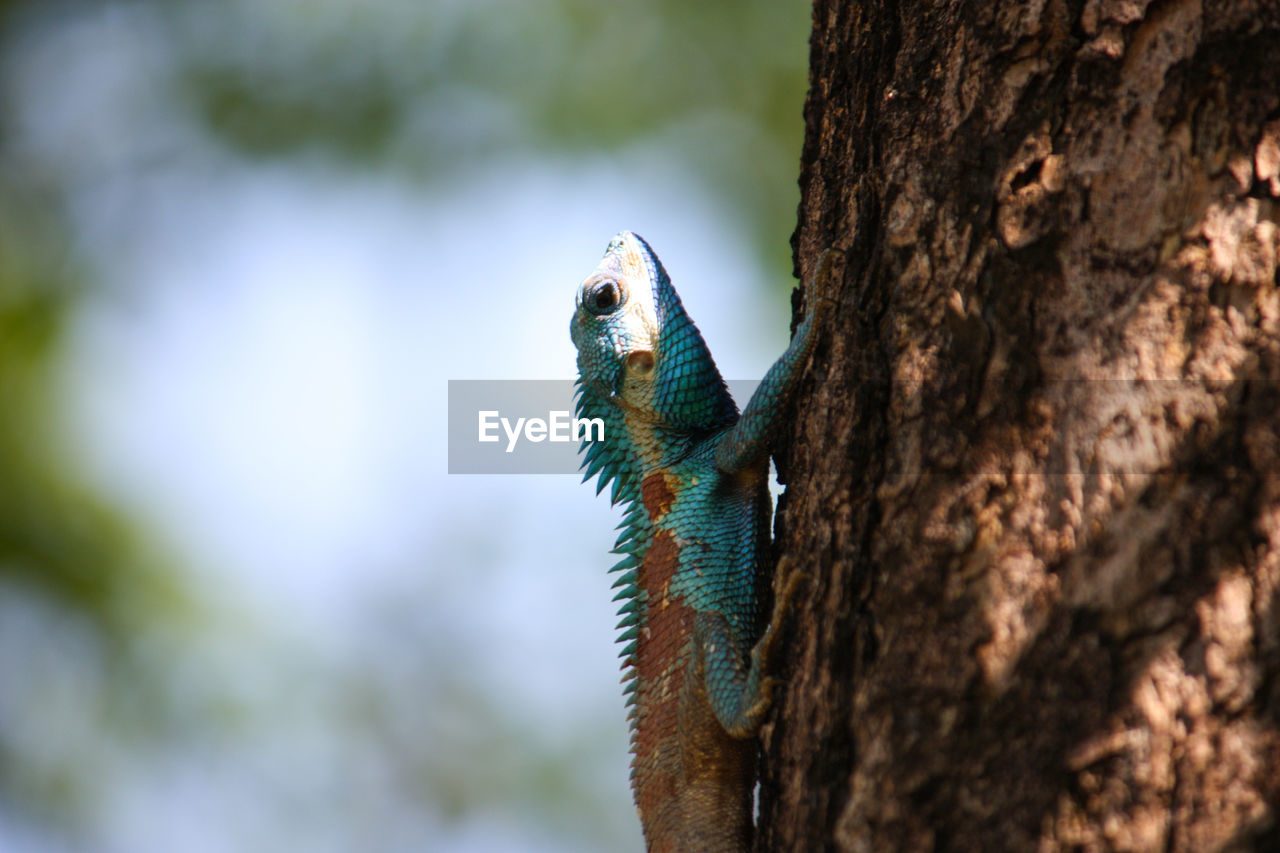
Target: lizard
[692,474]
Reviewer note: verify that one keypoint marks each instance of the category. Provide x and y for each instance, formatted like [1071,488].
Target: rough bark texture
[1036,470]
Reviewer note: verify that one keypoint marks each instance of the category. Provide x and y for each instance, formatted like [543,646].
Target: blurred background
[243,247]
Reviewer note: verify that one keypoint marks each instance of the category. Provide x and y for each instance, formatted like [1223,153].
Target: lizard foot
[784,594]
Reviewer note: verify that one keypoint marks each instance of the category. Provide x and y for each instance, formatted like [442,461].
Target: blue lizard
[693,476]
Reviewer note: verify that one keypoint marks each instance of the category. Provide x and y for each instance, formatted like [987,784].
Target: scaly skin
[693,476]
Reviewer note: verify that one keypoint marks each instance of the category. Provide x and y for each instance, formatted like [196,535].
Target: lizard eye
[601,297]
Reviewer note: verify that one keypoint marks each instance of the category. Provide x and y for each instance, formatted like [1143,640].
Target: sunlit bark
[1035,476]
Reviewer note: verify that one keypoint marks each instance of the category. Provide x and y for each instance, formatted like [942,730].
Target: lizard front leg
[747,441]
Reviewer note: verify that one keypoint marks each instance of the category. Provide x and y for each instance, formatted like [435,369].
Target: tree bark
[1035,473]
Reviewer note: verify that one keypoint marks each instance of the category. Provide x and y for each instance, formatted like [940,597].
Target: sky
[396,657]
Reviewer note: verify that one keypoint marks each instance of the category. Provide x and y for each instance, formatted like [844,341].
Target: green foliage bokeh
[432,92]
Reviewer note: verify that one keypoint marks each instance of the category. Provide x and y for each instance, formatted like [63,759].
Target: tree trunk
[1035,475]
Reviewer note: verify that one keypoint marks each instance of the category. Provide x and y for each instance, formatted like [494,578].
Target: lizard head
[638,349]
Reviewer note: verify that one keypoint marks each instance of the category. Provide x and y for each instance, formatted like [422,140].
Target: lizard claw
[784,594]
[749,721]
